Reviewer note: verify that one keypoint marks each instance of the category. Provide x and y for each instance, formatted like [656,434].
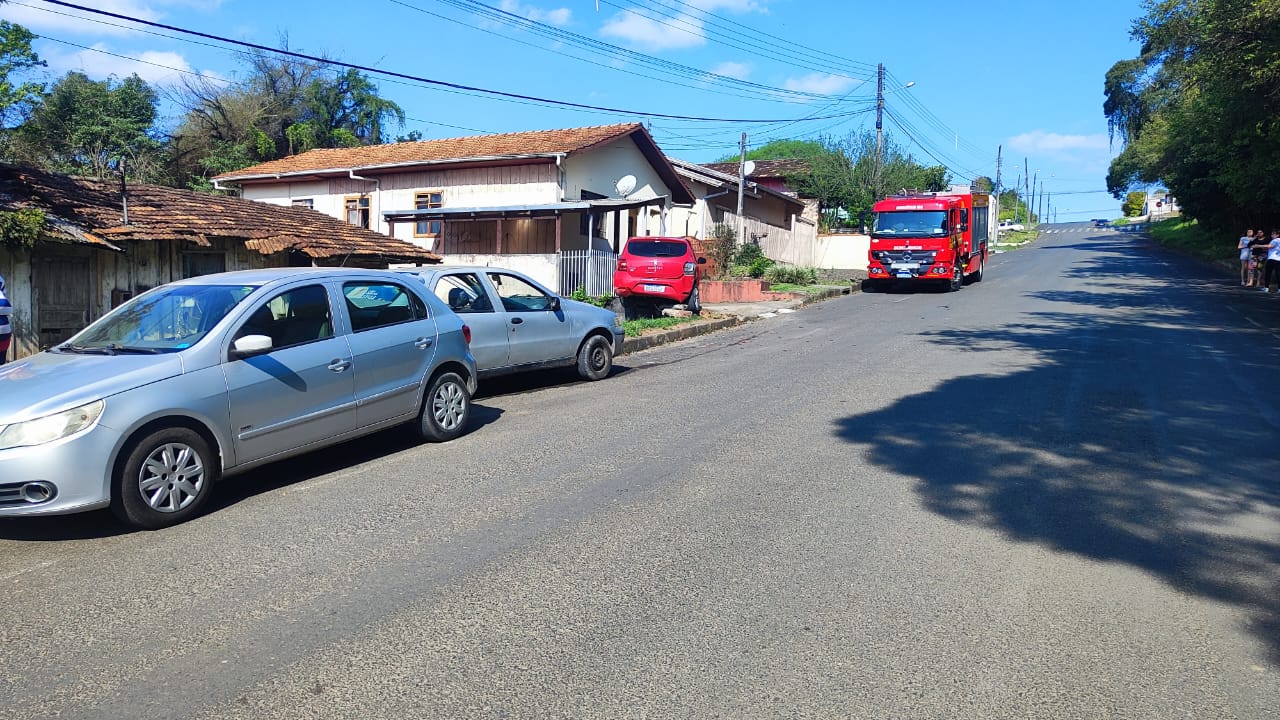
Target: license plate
[904,274]
[655,288]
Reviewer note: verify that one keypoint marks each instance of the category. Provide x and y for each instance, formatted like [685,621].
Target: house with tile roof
[768,215]
[844,251]
[556,204]
[99,243]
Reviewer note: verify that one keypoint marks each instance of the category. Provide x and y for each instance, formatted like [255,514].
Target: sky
[963,81]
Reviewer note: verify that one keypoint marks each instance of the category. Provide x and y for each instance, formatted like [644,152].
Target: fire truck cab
[938,238]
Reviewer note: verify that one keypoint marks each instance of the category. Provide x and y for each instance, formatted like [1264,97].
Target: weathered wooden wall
[57,289]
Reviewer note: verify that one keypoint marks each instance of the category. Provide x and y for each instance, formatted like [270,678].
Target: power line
[821,55]
[415,78]
[764,51]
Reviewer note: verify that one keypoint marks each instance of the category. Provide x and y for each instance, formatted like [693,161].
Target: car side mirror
[702,261]
[250,345]
[554,305]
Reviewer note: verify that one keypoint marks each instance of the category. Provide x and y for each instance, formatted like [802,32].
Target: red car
[659,269]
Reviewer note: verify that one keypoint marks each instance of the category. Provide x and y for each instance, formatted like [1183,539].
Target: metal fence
[588,269]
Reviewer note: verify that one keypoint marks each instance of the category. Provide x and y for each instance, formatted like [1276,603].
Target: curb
[644,342]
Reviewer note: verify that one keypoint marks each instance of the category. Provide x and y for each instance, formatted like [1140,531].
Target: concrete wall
[539,267]
[844,252]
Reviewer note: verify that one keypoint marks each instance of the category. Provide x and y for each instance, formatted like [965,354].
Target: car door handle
[337,365]
[422,343]
[516,320]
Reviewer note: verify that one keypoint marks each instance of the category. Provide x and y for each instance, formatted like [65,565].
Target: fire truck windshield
[911,223]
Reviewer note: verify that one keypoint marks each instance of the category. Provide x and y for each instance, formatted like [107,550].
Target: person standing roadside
[6,328]
[1245,240]
[1258,259]
[1273,262]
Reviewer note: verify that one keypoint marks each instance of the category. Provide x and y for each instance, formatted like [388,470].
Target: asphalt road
[1053,494]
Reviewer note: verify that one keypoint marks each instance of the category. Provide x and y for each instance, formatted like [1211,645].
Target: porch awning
[518,211]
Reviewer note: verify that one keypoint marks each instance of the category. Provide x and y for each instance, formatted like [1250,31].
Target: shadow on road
[237,488]
[1109,465]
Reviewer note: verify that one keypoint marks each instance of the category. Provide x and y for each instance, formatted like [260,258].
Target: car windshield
[657,248]
[913,223]
[170,319]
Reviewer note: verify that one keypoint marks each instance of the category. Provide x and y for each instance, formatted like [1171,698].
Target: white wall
[597,171]
[463,187]
[539,267]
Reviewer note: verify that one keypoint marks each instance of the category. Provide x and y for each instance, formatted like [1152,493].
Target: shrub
[720,249]
[580,294]
[758,267]
[792,274]
[747,254]
[739,271]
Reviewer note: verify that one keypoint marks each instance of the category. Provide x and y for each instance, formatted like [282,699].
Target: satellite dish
[748,168]
[625,185]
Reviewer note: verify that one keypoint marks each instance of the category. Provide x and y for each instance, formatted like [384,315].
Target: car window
[166,320]
[293,317]
[374,305]
[463,293]
[518,295]
[657,248]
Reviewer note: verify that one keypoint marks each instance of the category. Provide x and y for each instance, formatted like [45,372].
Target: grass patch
[806,289]
[1186,236]
[636,328]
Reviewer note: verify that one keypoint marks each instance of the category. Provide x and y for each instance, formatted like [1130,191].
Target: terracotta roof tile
[165,213]
[765,168]
[481,146]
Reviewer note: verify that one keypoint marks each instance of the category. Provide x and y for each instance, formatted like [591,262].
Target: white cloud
[157,68]
[558,16]
[820,83]
[1040,142]
[674,32]
[737,70]
[53,19]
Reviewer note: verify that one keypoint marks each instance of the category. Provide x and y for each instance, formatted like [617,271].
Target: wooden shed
[100,243]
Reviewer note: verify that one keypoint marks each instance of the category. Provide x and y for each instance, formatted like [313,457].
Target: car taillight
[622,264]
[466,333]
[689,268]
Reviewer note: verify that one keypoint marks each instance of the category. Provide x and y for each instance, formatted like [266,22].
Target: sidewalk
[726,315]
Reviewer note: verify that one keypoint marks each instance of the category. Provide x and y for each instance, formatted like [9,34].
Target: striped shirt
[5,310]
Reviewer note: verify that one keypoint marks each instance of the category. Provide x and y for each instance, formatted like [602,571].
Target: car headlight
[50,427]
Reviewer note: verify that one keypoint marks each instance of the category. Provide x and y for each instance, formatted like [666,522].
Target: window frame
[366,209]
[430,204]
[418,308]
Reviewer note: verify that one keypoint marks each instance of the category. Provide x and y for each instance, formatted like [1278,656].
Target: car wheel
[694,302]
[445,409]
[595,358]
[165,479]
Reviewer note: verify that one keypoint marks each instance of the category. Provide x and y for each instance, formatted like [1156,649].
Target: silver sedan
[517,324]
[146,408]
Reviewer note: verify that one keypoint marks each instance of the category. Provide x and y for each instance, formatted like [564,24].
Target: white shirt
[1273,250]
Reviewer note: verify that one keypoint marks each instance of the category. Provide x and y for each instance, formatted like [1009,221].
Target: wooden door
[61,298]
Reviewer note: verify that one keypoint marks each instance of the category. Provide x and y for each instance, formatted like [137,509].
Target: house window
[357,209]
[303,202]
[427,201]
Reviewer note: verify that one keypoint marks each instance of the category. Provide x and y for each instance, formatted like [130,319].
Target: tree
[283,107]
[16,98]
[1197,109]
[88,127]
[1133,203]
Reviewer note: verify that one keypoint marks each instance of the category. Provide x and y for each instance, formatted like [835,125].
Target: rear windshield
[657,248]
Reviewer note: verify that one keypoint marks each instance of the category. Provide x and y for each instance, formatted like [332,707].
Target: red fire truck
[939,238]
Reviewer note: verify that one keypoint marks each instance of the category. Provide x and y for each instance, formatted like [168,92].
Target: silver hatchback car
[517,324]
[146,408]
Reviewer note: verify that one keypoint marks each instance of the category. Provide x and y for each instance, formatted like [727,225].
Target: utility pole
[1026,171]
[999,166]
[1042,200]
[742,181]
[879,129]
